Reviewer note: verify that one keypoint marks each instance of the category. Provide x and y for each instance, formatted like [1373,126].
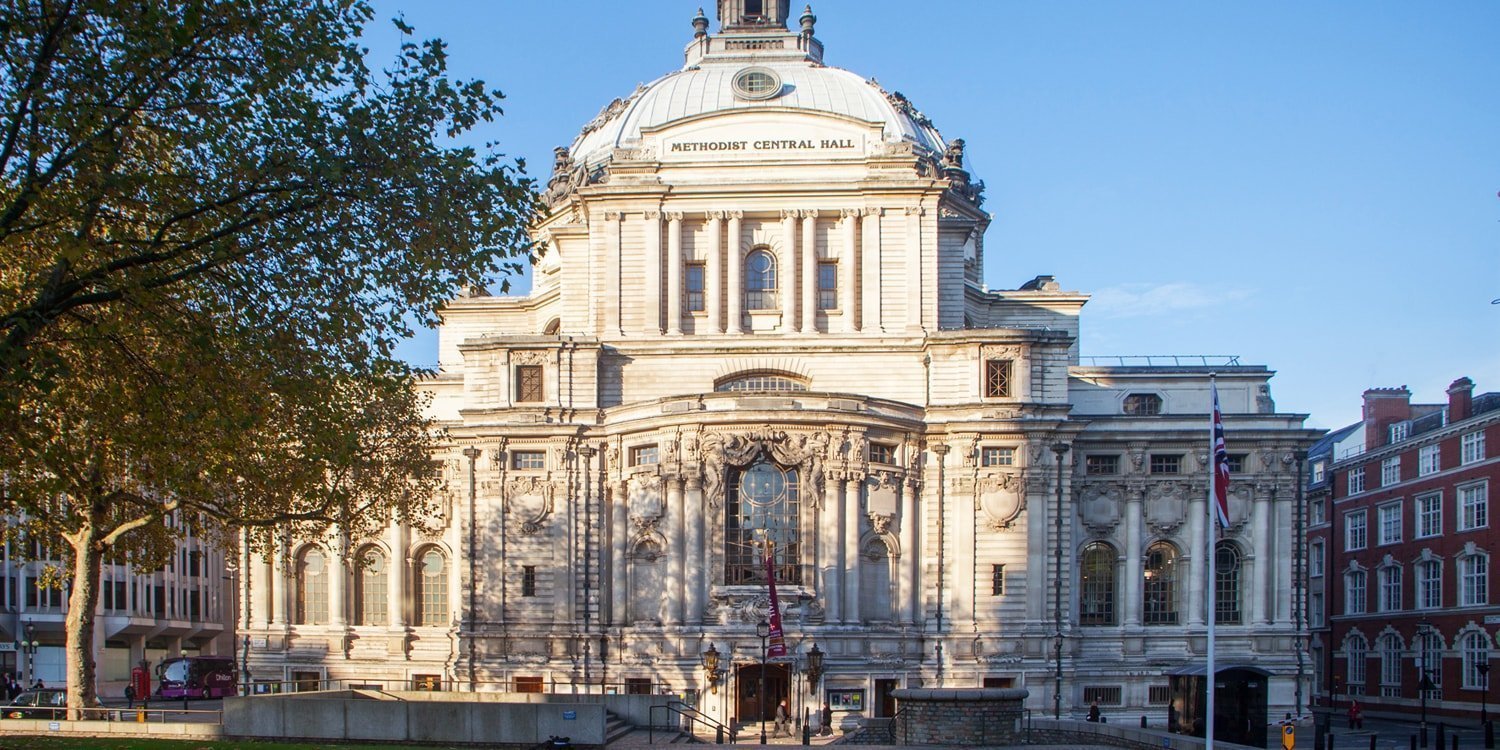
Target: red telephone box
[140,681]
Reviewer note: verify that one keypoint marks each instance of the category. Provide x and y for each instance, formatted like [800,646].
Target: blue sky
[1311,186]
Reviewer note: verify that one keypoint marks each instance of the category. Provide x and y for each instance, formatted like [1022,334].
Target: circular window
[756,83]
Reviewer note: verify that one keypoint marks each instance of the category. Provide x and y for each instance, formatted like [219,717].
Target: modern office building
[758,326]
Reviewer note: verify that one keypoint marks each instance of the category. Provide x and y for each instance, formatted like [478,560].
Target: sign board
[54,726]
[1289,737]
[1492,619]
[7,646]
[758,136]
[259,642]
[570,716]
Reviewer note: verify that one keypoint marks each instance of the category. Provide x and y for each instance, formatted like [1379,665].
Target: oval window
[756,83]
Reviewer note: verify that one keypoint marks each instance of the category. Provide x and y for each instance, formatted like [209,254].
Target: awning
[1201,668]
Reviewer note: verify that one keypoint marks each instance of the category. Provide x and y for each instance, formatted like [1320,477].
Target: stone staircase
[619,734]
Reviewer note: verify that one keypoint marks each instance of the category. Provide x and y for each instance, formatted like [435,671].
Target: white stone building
[759,314]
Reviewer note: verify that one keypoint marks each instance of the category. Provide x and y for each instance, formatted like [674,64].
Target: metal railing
[143,714]
[688,719]
[449,685]
[1161,360]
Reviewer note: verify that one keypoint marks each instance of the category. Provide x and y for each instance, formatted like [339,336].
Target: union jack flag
[1220,477]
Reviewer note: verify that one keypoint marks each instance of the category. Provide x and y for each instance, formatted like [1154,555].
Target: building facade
[1400,552]
[758,328]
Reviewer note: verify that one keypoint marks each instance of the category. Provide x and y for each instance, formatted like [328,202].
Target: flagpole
[1211,675]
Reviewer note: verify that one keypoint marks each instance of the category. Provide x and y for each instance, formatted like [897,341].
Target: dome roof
[708,88]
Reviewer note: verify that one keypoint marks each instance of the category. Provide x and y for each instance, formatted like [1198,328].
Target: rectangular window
[1471,447]
[1390,471]
[1473,580]
[528,684]
[1315,608]
[997,378]
[1354,592]
[529,384]
[828,285]
[882,453]
[1236,463]
[1316,512]
[1429,584]
[1141,404]
[693,285]
[1389,519]
[1428,460]
[1429,515]
[1315,559]
[997,580]
[1158,695]
[1101,464]
[1400,431]
[997,456]
[1473,507]
[528,460]
[1390,589]
[1356,480]
[1318,469]
[528,580]
[1104,695]
[1354,530]
[1166,464]
[643,455]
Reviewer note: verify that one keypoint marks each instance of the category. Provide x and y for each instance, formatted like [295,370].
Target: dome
[710,87]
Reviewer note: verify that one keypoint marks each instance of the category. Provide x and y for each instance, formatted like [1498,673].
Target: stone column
[396,587]
[713,290]
[280,599]
[1196,566]
[1039,540]
[870,270]
[674,273]
[612,286]
[735,259]
[786,278]
[676,528]
[1134,549]
[651,275]
[338,578]
[1284,509]
[848,270]
[830,570]
[809,271]
[265,589]
[914,271]
[910,558]
[1264,558]
[697,591]
[851,527]
[619,535]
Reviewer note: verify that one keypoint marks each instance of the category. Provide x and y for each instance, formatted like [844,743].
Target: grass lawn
[73,742]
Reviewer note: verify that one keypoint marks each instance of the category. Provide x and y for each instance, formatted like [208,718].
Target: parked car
[47,703]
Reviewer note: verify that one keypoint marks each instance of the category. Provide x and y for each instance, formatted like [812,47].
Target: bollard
[140,716]
[1414,742]
[1489,734]
[1318,735]
[719,735]
[1372,742]
[1330,742]
[1442,741]
[1143,721]
[1454,740]
[807,733]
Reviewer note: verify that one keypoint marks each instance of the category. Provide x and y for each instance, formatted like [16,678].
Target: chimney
[1460,400]
[1383,408]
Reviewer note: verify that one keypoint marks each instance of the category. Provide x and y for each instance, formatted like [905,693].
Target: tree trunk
[88,556]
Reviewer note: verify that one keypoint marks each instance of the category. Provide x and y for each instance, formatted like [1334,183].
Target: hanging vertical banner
[777,643]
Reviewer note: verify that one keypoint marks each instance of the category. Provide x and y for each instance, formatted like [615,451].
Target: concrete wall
[522,719]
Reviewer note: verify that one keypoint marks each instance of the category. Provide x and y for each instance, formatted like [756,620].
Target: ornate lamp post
[1061,449]
[814,669]
[1483,668]
[1424,682]
[763,630]
[711,668]
[28,647]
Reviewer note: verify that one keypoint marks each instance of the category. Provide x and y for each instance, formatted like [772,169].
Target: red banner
[777,642]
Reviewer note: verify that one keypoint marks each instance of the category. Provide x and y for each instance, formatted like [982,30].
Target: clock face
[756,83]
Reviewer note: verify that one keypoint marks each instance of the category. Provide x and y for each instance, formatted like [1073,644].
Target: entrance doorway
[747,691]
[885,703]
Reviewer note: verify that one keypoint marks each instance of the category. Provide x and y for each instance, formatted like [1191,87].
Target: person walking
[1094,711]
[783,720]
[827,720]
[1356,716]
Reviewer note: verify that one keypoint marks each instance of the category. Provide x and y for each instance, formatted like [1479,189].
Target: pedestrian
[1356,716]
[1094,711]
[39,685]
[129,696]
[783,720]
[827,718]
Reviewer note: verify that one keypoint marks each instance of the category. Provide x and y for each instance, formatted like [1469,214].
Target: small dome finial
[808,19]
[700,24]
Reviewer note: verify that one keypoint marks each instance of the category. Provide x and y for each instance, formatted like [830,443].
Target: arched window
[1096,595]
[1430,657]
[1475,647]
[1473,580]
[1388,598]
[1390,665]
[312,587]
[760,381]
[431,596]
[370,592]
[1227,564]
[1429,584]
[764,504]
[1160,591]
[1355,585]
[760,280]
[1356,652]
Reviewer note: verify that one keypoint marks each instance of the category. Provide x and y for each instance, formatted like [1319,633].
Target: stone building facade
[758,323]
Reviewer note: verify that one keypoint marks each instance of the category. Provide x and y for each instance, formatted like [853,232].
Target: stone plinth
[959,716]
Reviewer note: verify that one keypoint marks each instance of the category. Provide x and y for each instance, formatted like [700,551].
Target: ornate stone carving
[528,357]
[806,452]
[880,523]
[1002,499]
[532,499]
[1166,506]
[1099,507]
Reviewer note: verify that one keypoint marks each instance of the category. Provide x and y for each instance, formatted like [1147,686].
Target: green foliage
[215,225]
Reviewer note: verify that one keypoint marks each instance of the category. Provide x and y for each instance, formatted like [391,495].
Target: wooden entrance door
[747,691]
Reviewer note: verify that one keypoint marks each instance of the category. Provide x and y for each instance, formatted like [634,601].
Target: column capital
[734,215]
[790,213]
[852,213]
[809,213]
[715,215]
[652,215]
[672,215]
[613,215]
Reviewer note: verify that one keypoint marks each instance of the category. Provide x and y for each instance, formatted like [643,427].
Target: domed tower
[756,15]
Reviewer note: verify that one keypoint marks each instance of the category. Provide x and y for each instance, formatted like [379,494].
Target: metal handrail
[694,716]
[1161,360]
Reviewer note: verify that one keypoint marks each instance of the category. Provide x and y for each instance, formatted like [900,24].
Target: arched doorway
[747,691]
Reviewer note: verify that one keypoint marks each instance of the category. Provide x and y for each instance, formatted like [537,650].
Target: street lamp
[1483,668]
[1061,449]
[29,646]
[711,668]
[763,629]
[814,669]
[1424,682]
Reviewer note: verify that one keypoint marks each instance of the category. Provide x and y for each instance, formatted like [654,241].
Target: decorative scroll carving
[806,452]
[1099,508]
[1166,506]
[880,523]
[532,497]
[529,357]
[1001,498]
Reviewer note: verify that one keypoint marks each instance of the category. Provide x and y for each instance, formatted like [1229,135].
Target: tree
[214,224]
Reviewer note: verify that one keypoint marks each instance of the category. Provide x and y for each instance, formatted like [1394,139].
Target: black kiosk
[1239,703]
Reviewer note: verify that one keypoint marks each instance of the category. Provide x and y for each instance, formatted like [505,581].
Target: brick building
[1399,566]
